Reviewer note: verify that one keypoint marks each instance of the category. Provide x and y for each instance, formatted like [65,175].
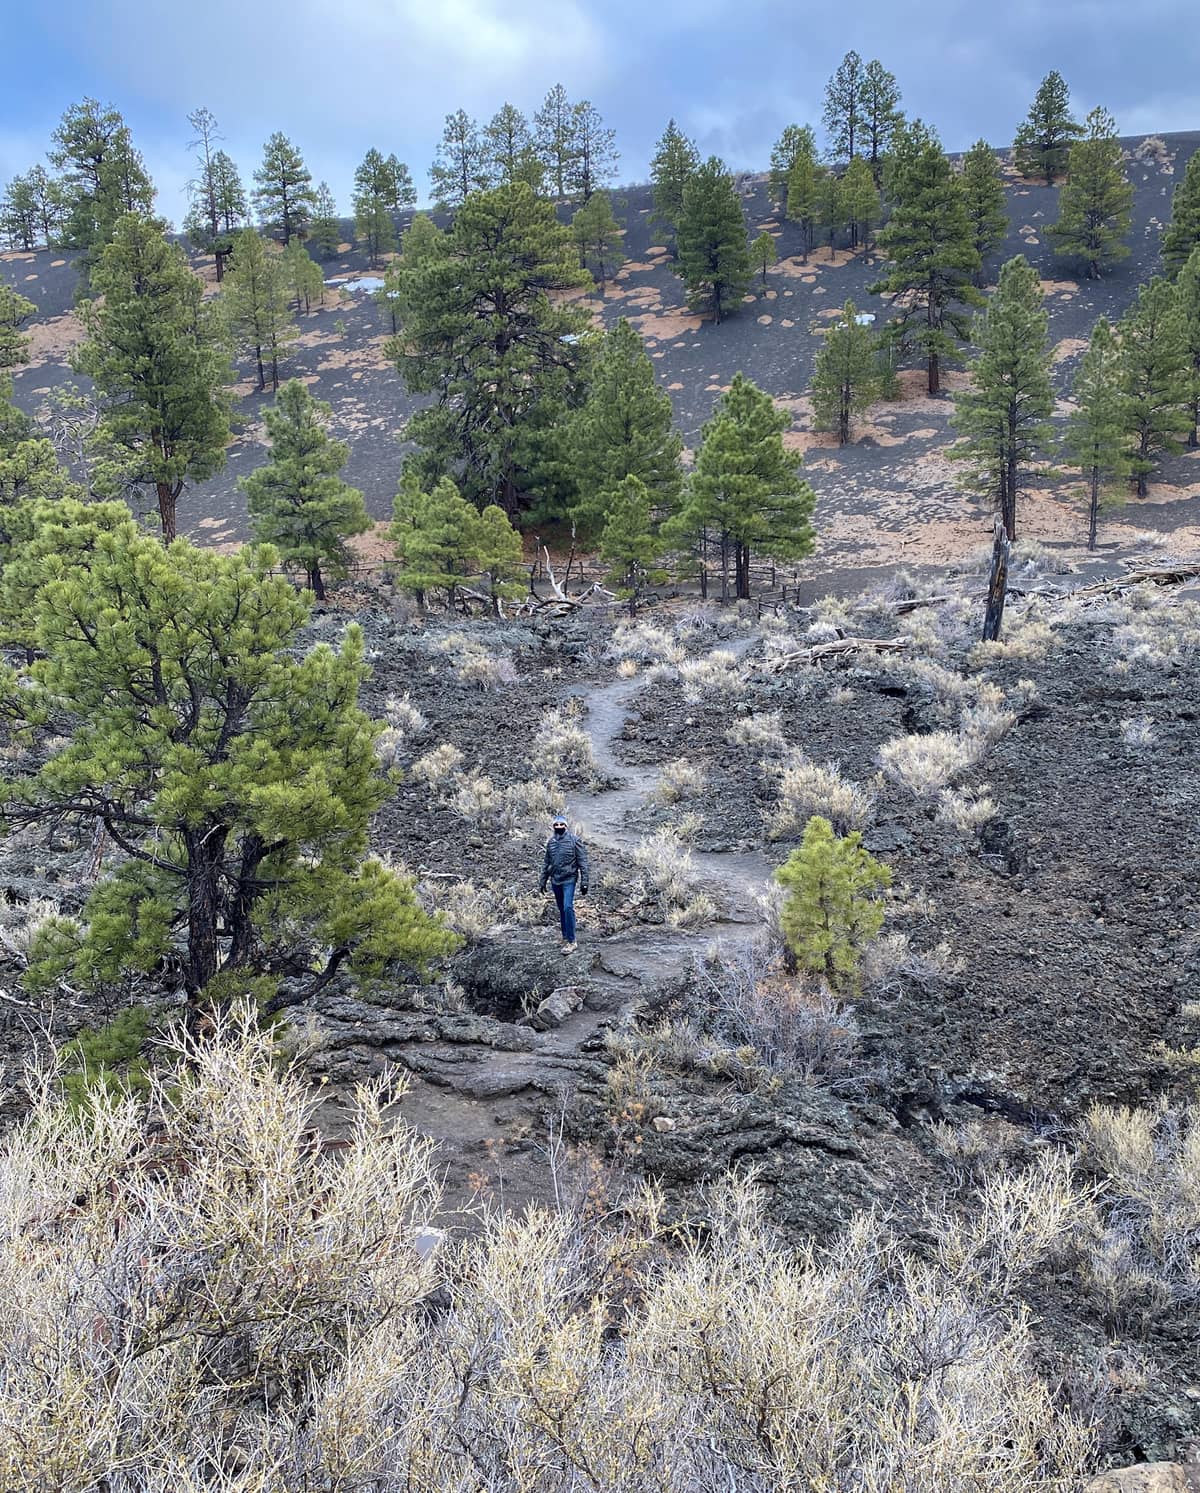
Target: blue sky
[340,78]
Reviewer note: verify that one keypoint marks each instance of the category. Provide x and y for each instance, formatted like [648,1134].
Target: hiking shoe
[569,948]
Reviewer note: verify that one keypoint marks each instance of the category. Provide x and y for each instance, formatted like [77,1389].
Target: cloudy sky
[341,78]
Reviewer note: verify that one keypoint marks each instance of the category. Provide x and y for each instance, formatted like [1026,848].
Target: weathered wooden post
[997,586]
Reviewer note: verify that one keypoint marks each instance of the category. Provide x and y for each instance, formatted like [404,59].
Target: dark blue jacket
[566,860]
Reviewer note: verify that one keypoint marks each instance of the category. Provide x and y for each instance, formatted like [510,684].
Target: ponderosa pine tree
[242,814]
[1095,434]
[1182,233]
[1094,209]
[482,334]
[861,206]
[1044,138]
[553,132]
[461,164]
[1156,382]
[18,216]
[593,151]
[881,116]
[844,108]
[217,200]
[796,141]
[401,192]
[631,544]
[421,239]
[374,199]
[747,489]
[255,304]
[434,535]
[983,196]
[1004,415]
[830,207]
[49,203]
[15,311]
[302,277]
[598,236]
[832,909]
[624,428]
[325,233]
[675,160]
[505,141]
[103,176]
[763,254]
[714,257]
[154,351]
[804,199]
[284,198]
[931,258]
[844,375]
[1187,294]
[297,499]
[499,557]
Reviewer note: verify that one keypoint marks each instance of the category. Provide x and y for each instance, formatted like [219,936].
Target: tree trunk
[997,586]
[934,374]
[844,417]
[1094,508]
[743,572]
[317,582]
[203,852]
[262,372]
[168,492]
[1010,478]
[724,568]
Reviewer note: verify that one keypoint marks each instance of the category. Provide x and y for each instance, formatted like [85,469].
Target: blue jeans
[565,897]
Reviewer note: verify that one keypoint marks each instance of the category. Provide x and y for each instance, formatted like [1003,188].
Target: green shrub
[107,1058]
[831,910]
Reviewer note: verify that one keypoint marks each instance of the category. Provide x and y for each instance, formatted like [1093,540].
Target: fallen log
[909,604]
[1157,575]
[838,647]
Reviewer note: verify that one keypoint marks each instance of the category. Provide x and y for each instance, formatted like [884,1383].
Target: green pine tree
[1094,210]
[284,198]
[1044,137]
[843,114]
[255,304]
[498,556]
[747,488]
[804,200]
[435,537]
[153,350]
[845,381]
[1004,415]
[1095,434]
[598,237]
[402,195]
[831,206]
[103,177]
[505,142]
[1156,379]
[881,115]
[593,151]
[861,207]
[297,500]
[374,203]
[983,197]
[1187,292]
[797,141]
[236,775]
[832,909]
[217,197]
[763,254]
[461,164]
[714,257]
[325,235]
[631,544]
[482,334]
[302,276]
[623,429]
[1182,233]
[15,311]
[674,163]
[931,258]
[18,216]
[422,239]
[554,136]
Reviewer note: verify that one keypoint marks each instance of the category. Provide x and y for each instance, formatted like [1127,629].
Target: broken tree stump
[997,586]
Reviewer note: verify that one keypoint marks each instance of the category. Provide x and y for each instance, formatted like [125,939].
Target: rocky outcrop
[1149,1477]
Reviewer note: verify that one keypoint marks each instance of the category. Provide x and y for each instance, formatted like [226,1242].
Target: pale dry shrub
[476,798]
[478,910]
[1138,732]
[400,712]
[758,733]
[389,746]
[890,966]
[946,686]
[930,761]
[627,669]
[716,671]
[435,767]
[807,788]
[562,749]
[679,779]
[666,866]
[965,811]
[1146,1247]
[536,800]
[485,671]
[1026,638]
[20,923]
[643,643]
[1153,150]
[832,613]
[216,1305]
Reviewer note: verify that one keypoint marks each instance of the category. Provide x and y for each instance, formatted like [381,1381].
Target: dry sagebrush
[215,1304]
[806,788]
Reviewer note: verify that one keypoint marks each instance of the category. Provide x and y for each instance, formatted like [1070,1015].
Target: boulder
[555,1009]
[1147,1477]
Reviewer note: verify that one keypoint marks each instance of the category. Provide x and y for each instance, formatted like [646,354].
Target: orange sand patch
[370,355]
[771,295]
[1166,492]
[786,323]
[765,321]
[51,341]
[57,264]
[374,547]
[667,324]
[1067,348]
[674,386]
[657,250]
[632,266]
[716,388]
[1059,287]
[17,256]
[30,277]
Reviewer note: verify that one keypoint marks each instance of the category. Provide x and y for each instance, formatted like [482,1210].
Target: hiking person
[566,864]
